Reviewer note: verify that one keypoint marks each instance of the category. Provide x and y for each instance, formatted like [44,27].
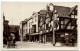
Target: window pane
[61,26]
[68,27]
[61,22]
[66,21]
[72,16]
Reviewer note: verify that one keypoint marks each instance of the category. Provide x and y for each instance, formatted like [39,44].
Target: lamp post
[53,26]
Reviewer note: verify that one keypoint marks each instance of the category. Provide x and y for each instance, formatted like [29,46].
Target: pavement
[33,45]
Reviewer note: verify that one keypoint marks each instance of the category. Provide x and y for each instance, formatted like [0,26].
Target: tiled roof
[62,11]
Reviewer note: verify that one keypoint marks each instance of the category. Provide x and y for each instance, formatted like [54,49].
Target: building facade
[29,28]
[65,31]
[57,25]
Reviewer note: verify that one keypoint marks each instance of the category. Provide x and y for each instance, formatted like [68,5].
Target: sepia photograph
[44,25]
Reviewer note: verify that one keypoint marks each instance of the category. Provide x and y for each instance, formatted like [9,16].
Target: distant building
[14,29]
[5,28]
[34,34]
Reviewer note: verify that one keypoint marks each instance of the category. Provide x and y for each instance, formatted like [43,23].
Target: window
[34,28]
[72,16]
[66,21]
[47,20]
[35,18]
[29,24]
[68,27]
[29,30]
[46,26]
[26,24]
[73,23]
[75,12]
[26,30]
[55,16]
[62,26]
[43,26]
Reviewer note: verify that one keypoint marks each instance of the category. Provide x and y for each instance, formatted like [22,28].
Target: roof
[6,20]
[72,9]
[13,25]
[13,28]
[62,11]
[43,11]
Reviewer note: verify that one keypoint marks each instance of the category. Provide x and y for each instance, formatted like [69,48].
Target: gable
[73,9]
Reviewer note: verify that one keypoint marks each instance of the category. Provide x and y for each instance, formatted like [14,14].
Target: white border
[45,1]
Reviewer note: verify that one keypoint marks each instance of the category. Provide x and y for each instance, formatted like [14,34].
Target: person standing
[9,41]
[14,42]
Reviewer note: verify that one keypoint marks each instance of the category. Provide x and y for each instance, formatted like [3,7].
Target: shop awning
[34,34]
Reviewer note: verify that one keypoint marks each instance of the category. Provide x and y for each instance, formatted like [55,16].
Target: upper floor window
[35,18]
[26,24]
[29,24]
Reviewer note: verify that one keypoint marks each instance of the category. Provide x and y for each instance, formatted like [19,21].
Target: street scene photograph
[39,25]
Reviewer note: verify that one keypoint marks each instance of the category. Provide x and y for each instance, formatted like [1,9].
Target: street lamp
[53,25]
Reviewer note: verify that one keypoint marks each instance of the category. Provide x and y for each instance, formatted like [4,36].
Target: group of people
[10,41]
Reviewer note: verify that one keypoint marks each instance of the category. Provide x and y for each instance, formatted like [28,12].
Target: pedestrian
[5,41]
[73,42]
[67,41]
[14,42]
[9,41]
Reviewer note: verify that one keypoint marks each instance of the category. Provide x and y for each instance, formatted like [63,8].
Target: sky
[15,12]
